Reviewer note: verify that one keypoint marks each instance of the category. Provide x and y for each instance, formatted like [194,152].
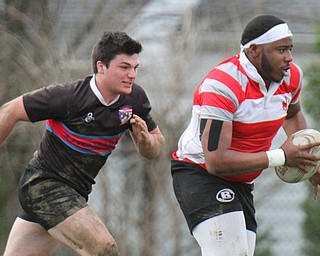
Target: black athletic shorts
[202,196]
[47,200]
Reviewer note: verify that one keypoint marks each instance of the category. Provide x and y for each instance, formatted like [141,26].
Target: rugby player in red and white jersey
[85,120]
[237,110]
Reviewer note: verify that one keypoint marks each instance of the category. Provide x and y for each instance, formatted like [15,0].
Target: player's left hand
[140,129]
[315,181]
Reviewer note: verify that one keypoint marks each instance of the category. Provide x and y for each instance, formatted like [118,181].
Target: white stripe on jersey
[232,70]
[189,145]
[212,85]
[209,112]
[250,111]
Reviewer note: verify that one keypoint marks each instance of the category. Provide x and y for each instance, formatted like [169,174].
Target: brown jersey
[81,131]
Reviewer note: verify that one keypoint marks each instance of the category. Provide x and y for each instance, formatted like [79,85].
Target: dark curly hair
[112,44]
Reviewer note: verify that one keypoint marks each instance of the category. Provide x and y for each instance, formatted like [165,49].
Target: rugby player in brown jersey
[85,119]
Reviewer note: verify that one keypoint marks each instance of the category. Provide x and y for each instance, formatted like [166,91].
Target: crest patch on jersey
[125,113]
[285,104]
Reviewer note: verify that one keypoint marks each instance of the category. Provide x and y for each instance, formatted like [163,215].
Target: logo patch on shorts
[225,195]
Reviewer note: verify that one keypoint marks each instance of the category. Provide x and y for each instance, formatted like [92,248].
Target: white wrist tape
[276,157]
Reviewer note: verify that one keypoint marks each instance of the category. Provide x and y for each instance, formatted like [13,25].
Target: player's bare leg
[29,238]
[85,233]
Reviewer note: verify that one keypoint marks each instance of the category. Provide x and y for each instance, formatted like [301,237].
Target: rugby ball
[294,174]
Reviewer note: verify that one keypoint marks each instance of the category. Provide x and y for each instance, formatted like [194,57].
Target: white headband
[276,33]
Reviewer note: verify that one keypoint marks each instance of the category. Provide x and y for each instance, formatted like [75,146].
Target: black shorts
[202,196]
[47,200]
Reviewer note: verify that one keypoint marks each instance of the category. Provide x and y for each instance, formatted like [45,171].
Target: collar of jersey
[96,91]
[252,72]
[250,69]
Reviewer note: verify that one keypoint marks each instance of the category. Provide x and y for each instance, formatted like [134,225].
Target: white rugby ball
[294,174]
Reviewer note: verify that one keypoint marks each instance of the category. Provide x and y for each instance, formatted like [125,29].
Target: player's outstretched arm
[147,143]
[10,113]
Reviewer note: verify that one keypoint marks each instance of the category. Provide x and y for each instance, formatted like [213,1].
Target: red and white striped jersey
[234,92]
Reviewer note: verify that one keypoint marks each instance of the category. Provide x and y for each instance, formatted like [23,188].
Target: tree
[25,33]
[36,51]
